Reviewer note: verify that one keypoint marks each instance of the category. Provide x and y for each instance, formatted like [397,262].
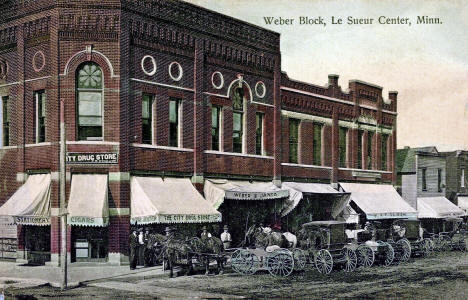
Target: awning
[379,201]
[437,208]
[463,203]
[349,215]
[297,190]
[168,200]
[216,190]
[30,204]
[88,205]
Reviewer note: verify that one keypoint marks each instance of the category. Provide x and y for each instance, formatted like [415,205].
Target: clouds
[427,64]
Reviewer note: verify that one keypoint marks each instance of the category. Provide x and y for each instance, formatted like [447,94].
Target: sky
[426,63]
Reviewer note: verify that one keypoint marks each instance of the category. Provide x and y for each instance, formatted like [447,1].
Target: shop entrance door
[89,244]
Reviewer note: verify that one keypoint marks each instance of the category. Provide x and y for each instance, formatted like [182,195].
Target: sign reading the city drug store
[92,158]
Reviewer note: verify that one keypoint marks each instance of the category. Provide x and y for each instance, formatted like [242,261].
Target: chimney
[333,80]
[392,95]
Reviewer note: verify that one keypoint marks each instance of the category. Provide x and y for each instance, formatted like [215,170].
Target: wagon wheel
[365,256]
[323,261]
[406,249]
[350,259]
[300,259]
[244,262]
[280,263]
[389,255]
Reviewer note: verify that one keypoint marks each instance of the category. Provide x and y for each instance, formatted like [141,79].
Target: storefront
[243,204]
[88,216]
[29,207]
[435,214]
[378,202]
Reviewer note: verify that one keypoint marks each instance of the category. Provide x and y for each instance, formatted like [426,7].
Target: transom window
[89,94]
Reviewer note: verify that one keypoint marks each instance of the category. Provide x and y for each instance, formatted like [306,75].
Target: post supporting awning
[30,204]
[168,200]
[88,204]
[379,201]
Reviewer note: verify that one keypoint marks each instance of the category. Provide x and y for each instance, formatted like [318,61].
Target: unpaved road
[440,276]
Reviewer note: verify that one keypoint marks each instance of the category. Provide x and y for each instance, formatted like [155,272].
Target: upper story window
[90,104]
[175,108]
[384,151]
[370,138]
[360,165]
[215,128]
[462,179]
[259,117]
[343,137]
[40,116]
[147,119]
[423,179]
[5,120]
[317,144]
[238,120]
[439,180]
[294,140]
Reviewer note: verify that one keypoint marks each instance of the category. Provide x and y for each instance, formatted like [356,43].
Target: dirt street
[440,276]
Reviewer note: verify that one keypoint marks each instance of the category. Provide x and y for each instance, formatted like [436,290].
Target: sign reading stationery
[92,158]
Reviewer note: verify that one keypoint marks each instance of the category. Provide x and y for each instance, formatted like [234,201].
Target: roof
[405,158]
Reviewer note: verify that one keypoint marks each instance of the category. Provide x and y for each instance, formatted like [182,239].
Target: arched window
[238,120]
[89,86]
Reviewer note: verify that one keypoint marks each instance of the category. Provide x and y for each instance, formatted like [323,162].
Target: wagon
[280,262]
[370,251]
[455,239]
[420,246]
[327,244]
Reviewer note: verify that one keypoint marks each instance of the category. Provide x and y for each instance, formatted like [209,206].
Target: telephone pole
[63,206]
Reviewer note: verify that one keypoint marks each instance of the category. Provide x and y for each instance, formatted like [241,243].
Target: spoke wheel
[405,248]
[389,255]
[350,259]
[323,261]
[365,256]
[300,259]
[280,263]
[244,262]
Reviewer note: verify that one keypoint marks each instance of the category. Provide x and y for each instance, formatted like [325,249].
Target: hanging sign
[92,158]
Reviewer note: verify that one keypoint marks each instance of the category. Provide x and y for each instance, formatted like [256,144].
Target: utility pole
[63,206]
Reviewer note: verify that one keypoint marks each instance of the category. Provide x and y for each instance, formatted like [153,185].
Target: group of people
[140,251]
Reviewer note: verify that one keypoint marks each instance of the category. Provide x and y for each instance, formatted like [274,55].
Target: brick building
[174,90]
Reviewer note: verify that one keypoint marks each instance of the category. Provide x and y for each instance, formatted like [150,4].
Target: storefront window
[294,140]
[89,90]
[39,117]
[147,119]
[343,133]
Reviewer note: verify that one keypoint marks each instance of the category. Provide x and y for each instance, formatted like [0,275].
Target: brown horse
[206,248]
[261,238]
[178,252]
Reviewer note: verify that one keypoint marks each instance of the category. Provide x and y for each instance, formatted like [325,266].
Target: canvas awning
[216,190]
[379,201]
[168,200]
[463,203]
[297,190]
[88,205]
[437,208]
[30,204]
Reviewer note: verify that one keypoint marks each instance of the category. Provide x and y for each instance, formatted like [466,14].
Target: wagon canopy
[463,203]
[216,191]
[30,204]
[168,200]
[88,205]
[437,208]
[379,201]
[297,191]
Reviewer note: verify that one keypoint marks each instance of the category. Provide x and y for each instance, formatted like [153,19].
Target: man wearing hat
[226,238]
[169,231]
[133,249]
[205,234]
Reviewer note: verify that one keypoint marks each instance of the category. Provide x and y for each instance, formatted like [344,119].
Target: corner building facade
[174,90]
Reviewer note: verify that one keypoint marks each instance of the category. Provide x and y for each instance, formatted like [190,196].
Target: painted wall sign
[92,158]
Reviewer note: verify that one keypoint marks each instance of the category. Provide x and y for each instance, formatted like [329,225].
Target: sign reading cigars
[92,158]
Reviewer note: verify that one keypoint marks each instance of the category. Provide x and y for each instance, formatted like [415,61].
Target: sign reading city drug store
[92,158]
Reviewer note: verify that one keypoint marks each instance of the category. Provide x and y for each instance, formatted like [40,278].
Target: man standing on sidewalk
[133,249]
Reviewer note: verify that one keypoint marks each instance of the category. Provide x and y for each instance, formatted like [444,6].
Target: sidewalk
[77,273]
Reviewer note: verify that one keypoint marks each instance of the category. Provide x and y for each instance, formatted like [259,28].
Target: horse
[178,252]
[209,245]
[265,237]
[154,251]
